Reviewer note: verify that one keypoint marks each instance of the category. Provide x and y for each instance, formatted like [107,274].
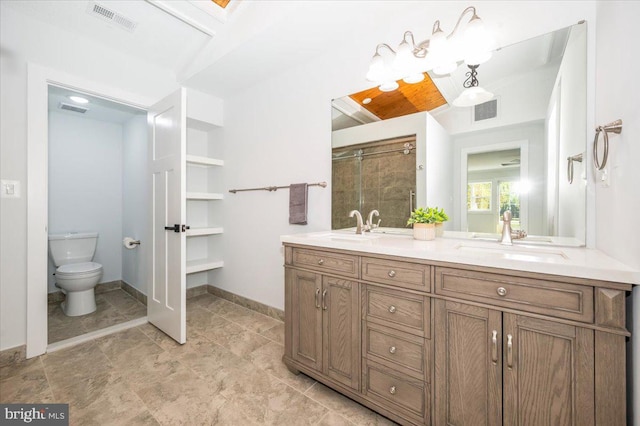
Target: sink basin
[513,253]
[529,239]
[352,238]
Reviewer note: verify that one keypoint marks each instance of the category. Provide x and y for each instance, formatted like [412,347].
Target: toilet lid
[79,267]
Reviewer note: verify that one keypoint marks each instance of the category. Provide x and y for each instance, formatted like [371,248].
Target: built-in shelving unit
[204,190]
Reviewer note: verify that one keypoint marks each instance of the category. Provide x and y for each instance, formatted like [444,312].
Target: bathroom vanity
[458,332]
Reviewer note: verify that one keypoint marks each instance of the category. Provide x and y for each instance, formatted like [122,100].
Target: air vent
[74,108]
[106,14]
[486,110]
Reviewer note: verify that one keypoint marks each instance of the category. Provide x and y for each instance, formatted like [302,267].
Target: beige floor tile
[181,398]
[275,333]
[269,359]
[334,419]
[235,338]
[199,319]
[346,407]
[103,399]
[128,347]
[105,316]
[207,301]
[266,400]
[24,383]
[70,365]
[228,414]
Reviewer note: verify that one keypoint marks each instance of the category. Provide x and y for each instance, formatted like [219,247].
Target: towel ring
[613,127]
[570,160]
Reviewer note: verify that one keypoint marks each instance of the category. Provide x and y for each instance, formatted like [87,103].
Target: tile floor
[228,373]
[113,307]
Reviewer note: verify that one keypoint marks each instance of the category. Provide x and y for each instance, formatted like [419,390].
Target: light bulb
[403,61]
[376,71]
[388,86]
[478,43]
[414,78]
[79,99]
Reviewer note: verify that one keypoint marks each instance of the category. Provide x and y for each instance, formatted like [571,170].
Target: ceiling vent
[74,108]
[486,110]
[106,14]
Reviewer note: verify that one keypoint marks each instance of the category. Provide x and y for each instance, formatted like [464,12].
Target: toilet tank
[72,247]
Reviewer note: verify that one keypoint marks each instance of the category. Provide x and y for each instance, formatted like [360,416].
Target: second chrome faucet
[369,225]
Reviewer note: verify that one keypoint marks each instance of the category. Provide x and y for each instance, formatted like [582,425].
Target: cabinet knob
[392,390]
[392,273]
[392,309]
[321,261]
[501,291]
[392,350]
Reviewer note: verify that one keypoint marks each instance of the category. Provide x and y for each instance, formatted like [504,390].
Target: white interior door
[166,298]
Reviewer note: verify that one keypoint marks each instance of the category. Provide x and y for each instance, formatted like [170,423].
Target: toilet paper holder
[130,243]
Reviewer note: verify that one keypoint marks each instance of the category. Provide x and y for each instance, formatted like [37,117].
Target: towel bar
[613,127]
[274,188]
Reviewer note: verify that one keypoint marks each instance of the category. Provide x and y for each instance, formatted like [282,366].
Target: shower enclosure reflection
[378,175]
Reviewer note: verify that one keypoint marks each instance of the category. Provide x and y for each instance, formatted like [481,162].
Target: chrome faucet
[370,225]
[358,216]
[508,235]
[506,229]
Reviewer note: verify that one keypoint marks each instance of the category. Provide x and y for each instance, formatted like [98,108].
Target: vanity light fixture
[79,99]
[441,53]
[473,94]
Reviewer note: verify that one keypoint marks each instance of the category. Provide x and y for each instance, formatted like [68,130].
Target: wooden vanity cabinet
[453,344]
[510,369]
[325,325]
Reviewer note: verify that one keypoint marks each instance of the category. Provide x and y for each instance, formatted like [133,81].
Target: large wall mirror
[510,153]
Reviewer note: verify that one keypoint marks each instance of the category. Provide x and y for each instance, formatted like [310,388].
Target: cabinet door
[468,365]
[548,373]
[340,303]
[306,322]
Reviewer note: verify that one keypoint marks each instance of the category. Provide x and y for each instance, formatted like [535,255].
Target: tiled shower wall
[381,182]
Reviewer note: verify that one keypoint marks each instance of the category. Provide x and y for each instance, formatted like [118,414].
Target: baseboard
[247,303]
[196,291]
[13,356]
[134,292]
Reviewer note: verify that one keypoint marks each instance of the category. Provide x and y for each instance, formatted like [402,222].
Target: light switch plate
[10,188]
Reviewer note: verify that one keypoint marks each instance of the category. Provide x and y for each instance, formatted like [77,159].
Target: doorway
[97,155]
[39,80]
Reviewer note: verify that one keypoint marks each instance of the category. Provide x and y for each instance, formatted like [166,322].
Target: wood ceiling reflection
[407,99]
[221,3]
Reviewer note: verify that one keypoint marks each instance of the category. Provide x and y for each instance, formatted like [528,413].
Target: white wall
[135,204]
[85,186]
[617,86]
[25,39]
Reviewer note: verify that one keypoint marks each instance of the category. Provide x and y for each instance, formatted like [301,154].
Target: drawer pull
[324,300]
[501,291]
[392,390]
[392,350]
[317,298]
[494,347]
[321,262]
[509,351]
[392,309]
[392,273]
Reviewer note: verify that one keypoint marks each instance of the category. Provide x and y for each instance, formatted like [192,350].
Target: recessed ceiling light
[79,99]
[366,101]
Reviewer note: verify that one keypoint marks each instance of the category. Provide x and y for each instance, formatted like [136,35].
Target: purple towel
[298,204]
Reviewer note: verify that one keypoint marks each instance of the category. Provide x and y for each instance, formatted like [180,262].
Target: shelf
[196,232]
[204,196]
[202,265]
[204,161]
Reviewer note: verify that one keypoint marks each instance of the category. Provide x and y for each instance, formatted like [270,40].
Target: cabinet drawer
[562,300]
[324,261]
[402,351]
[401,274]
[399,393]
[397,309]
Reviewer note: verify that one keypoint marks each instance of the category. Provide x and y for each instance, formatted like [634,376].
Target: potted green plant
[441,217]
[423,221]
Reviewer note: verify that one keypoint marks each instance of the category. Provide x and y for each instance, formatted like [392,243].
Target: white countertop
[576,262]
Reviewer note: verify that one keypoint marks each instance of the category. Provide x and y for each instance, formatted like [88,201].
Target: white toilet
[76,274]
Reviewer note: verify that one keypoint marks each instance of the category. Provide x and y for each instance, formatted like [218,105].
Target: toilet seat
[79,270]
